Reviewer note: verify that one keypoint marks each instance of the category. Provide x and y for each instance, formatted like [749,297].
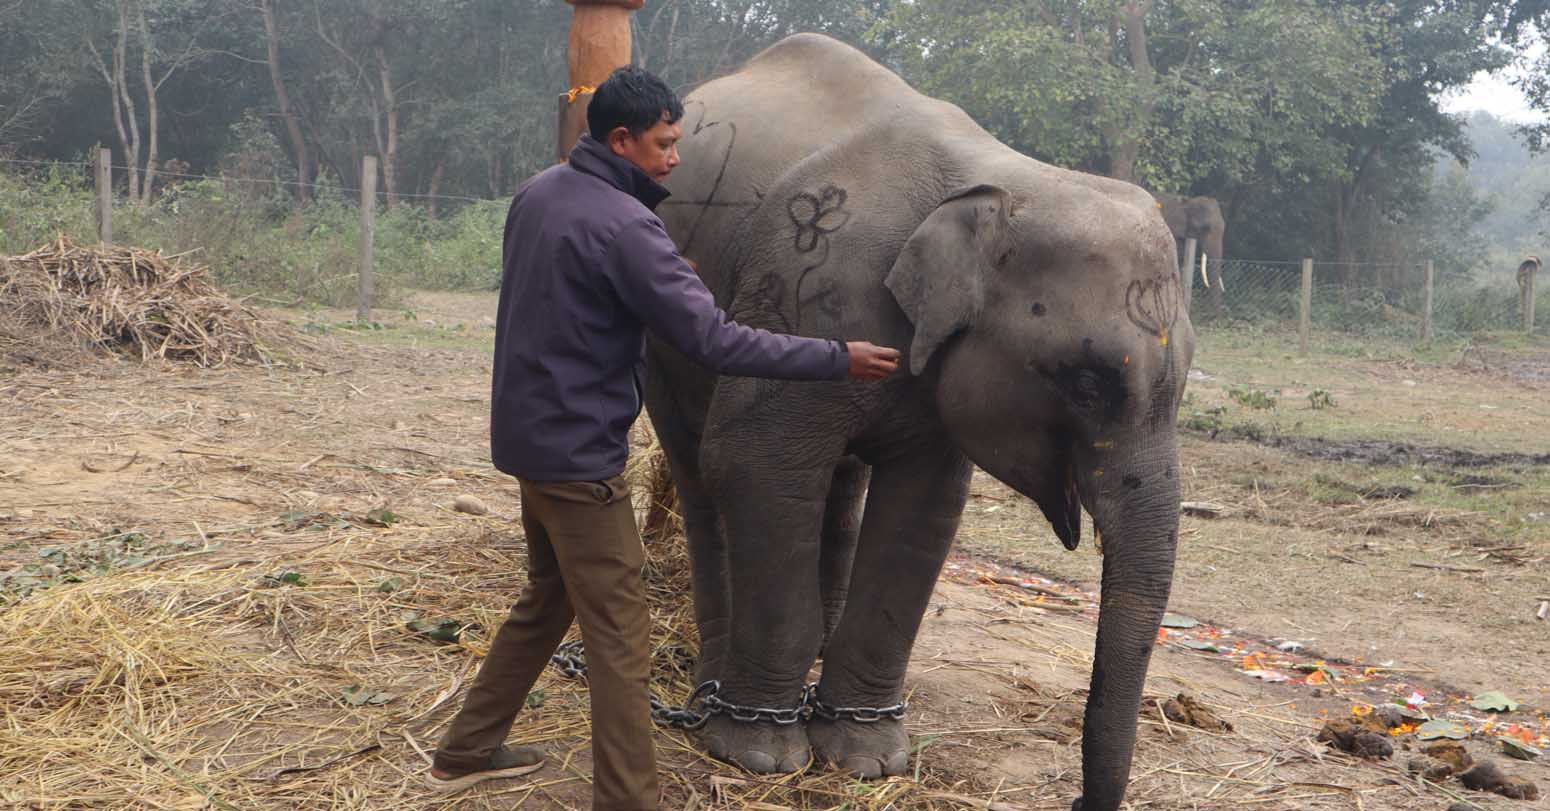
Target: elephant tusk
[1098,540]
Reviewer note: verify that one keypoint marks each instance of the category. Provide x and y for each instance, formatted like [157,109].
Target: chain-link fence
[1359,298]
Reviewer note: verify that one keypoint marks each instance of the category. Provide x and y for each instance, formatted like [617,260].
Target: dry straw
[126,300]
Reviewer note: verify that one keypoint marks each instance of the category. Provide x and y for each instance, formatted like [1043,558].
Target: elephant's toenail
[897,763]
[757,762]
[794,762]
[865,767]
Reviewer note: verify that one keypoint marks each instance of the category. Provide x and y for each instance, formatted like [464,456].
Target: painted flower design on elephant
[816,216]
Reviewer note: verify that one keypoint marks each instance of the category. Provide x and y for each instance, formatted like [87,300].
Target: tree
[298,142]
[1192,96]
[155,39]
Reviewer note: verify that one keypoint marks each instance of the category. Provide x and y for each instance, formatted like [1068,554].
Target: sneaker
[504,762]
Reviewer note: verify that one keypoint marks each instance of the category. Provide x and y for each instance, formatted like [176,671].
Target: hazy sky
[1495,95]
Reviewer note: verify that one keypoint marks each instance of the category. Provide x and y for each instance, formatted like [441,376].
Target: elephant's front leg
[771,494]
[912,514]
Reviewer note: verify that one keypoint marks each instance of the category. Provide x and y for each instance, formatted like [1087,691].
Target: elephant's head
[1196,218]
[1055,336]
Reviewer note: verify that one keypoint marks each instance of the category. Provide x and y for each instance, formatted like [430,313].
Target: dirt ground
[234,569]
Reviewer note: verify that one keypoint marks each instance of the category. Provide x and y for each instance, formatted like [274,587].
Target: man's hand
[871,362]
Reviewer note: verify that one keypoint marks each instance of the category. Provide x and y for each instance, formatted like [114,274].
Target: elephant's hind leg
[912,511]
[702,528]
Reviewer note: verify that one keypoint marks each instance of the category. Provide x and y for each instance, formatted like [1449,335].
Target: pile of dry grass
[124,300]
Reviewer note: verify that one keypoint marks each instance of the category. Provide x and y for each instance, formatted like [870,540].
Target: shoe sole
[467,781]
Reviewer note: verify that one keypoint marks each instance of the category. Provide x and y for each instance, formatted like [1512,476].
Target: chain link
[753,715]
[570,659]
[861,715]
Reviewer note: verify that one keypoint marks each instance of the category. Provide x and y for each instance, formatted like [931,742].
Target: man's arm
[659,287]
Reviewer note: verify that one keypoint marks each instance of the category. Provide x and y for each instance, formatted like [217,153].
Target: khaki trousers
[584,562]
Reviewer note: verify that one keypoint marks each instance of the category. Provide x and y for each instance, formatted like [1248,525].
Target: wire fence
[1360,298]
[257,238]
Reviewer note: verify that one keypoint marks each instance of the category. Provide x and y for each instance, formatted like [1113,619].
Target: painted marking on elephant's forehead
[1153,305]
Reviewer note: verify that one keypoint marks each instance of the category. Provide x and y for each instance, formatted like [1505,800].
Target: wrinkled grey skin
[1044,341]
[1197,218]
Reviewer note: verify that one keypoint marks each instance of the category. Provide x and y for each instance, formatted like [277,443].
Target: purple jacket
[587,268]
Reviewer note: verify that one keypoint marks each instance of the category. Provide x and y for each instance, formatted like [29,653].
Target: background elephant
[1045,341]
[1198,218]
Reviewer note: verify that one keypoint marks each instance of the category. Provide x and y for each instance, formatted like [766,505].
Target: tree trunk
[283,99]
[390,111]
[1125,145]
[152,117]
[108,75]
[121,87]
[494,170]
[432,194]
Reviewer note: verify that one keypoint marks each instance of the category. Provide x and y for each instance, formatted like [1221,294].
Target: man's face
[655,151]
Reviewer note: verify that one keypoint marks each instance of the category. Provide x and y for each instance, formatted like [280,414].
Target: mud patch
[1376,452]
[1531,368]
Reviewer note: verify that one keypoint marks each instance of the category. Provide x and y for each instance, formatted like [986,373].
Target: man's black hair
[634,99]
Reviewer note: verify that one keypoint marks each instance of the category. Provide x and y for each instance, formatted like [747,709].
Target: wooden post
[1528,303]
[1191,245]
[368,237]
[599,43]
[105,196]
[1527,270]
[1305,321]
[1426,311]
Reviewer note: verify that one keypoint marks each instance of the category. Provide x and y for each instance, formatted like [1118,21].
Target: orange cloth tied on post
[599,42]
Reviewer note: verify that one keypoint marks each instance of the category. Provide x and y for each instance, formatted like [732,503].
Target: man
[587,268]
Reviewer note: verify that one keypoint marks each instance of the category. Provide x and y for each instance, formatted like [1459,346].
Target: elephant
[1198,218]
[1043,338]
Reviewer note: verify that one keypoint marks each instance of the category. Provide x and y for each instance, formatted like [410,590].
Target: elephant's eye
[1086,390]
[1098,391]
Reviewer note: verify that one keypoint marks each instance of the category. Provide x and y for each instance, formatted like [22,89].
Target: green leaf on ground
[1193,644]
[382,517]
[536,699]
[1432,730]
[1514,748]
[439,630]
[1493,701]
[390,585]
[274,581]
[1179,621]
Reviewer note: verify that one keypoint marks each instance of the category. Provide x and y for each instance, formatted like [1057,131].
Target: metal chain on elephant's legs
[570,659]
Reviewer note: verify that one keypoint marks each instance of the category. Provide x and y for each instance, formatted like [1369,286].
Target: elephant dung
[1490,777]
[1452,753]
[1430,768]
[1359,739]
[1184,709]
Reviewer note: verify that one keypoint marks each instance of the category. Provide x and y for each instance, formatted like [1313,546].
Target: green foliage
[1319,399]
[1251,397]
[37,207]
[257,242]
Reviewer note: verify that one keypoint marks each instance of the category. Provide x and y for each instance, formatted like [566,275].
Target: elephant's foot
[761,748]
[869,751]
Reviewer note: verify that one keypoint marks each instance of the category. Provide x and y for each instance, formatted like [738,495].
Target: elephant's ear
[939,277]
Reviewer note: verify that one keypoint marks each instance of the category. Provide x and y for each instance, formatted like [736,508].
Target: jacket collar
[599,161]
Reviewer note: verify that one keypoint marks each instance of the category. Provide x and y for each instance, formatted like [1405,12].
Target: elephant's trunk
[1136,508]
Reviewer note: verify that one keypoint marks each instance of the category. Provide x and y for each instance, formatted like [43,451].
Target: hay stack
[126,300]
